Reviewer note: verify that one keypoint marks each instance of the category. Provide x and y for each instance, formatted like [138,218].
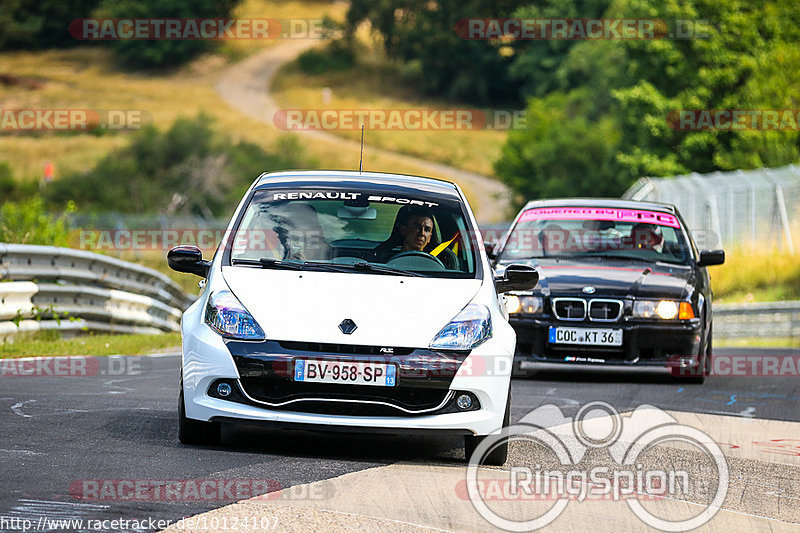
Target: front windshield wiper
[387,269]
[266,262]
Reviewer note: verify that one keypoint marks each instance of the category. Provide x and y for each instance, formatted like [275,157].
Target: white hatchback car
[346,300]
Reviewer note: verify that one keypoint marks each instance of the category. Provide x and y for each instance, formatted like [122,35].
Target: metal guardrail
[768,319]
[46,287]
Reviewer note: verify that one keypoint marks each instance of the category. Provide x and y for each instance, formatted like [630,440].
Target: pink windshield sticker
[600,213]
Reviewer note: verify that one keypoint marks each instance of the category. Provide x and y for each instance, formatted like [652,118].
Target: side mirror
[517,278]
[188,259]
[711,257]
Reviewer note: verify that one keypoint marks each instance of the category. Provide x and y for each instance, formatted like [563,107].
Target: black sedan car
[621,283]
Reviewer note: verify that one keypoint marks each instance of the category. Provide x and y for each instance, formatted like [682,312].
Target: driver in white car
[416,233]
[413,232]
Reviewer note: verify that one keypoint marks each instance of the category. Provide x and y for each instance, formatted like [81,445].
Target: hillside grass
[88,78]
[376,83]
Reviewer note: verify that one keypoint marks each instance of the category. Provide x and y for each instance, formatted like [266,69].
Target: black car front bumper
[644,343]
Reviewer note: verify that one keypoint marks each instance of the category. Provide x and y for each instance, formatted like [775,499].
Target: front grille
[320,347]
[310,397]
[569,308]
[604,310]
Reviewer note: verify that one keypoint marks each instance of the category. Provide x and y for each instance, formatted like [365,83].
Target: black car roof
[602,202]
[363,180]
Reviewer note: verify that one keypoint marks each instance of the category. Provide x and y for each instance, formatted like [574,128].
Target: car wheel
[498,455]
[195,431]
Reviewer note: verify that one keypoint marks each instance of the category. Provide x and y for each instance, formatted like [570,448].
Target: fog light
[224,390]
[464,402]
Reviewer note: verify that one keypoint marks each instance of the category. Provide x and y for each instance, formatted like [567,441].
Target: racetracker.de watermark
[629,440]
[256,240]
[734,119]
[194,490]
[579,29]
[399,119]
[39,120]
[738,365]
[193,29]
[80,366]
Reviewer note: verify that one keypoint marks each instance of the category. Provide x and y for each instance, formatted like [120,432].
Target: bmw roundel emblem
[347,326]
[588,290]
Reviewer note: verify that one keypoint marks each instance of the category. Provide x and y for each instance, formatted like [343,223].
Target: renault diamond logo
[347,326]
[588,290]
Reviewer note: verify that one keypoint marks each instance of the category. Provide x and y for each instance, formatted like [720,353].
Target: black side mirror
[517,278]
[188,259]
[711,257]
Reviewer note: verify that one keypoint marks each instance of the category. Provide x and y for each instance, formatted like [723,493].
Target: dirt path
[245,87]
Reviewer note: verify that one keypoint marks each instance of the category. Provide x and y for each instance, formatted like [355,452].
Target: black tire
[195,431]
[499,454]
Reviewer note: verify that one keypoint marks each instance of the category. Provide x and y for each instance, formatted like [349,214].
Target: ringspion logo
[628,440]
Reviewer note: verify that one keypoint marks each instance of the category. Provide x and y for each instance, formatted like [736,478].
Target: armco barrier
[768,319]
[75,291]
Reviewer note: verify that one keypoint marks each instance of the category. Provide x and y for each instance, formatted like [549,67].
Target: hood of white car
[394,311]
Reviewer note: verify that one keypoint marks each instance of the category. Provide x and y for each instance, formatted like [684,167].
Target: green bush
[27,222]
[149,54]
[337,56]
[41,24]
[189,169]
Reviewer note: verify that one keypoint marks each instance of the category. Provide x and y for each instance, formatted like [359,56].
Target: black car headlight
[519,304]
[663,309]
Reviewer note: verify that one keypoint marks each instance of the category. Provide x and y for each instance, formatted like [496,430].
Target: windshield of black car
[334,226]
[577,232]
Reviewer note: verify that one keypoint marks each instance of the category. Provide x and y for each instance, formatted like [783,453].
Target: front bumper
[644,343]
[261,374]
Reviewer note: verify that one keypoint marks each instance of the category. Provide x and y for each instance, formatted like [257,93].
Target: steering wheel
[414,253]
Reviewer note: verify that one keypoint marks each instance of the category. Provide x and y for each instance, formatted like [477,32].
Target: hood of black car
[611,278]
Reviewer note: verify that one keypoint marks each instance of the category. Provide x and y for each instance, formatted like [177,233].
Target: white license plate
[586,336]
[345,372]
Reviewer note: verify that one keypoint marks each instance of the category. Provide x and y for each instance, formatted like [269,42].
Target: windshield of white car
[355,232]
[615,234]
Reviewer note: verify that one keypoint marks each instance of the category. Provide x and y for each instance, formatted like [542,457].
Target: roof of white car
[367,179]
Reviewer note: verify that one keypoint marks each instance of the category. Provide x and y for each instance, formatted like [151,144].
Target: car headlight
[471,327]
[664,309]
[528,305]
[226,314]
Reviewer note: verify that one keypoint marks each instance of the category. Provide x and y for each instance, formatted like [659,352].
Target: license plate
[345,372]
[585,336]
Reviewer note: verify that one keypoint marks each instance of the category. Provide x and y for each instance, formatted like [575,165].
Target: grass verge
[46,345]
[756,274]
[758,342]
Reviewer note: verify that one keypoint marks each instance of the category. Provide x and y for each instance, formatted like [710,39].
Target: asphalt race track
[60,432]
